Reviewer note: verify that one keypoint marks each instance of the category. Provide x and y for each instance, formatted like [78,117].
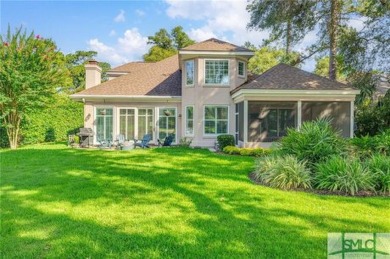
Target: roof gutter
[86,97]
[217,53]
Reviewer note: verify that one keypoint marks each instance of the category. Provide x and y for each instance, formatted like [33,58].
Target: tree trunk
[333,31]
[12,121]
[288,38]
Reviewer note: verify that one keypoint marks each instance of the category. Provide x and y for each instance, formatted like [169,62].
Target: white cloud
[112,33]
[133,41]
[139,12]
[120,17]
[130,47]
[357,23]
[226,20]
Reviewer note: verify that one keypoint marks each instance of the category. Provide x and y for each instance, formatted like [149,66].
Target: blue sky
[118,30]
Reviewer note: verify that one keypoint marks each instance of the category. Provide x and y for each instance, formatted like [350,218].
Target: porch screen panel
[240,121]
[268,121]
[104,124]
[338,112]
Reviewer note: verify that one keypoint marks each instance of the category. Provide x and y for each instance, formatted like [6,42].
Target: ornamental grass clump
[346,175]
[314,142]
[379,165]
[283,172]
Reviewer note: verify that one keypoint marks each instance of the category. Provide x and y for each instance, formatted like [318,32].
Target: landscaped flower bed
[318,158]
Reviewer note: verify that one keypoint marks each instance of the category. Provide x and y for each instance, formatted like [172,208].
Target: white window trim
[185,121]
[238,70]
[185,73]
[136,108]
[119,119]
[158,122]
[204,119]
[114,120]
[204,72]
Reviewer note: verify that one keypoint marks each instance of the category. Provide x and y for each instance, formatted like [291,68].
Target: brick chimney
[93,73]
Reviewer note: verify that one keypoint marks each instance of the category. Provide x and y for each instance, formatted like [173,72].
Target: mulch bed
[322,192]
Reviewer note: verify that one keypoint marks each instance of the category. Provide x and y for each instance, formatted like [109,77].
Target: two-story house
[204,91]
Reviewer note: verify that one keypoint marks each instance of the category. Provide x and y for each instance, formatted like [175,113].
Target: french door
[167,123]
[135,123]
[104,124]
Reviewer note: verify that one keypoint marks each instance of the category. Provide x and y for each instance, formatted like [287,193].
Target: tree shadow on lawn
[199,217]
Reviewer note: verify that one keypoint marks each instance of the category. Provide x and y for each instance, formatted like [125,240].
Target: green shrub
[283,172]
[315,141]
[231,150]
[364,146]
[225,140]
[367,146]
[380,166]
[346,175]
[383,143]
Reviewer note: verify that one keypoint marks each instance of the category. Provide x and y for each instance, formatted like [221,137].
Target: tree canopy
[290,20]
[267,57]
[31,71]
[167,44]
[75,63]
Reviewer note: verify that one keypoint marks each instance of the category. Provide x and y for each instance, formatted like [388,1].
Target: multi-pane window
[217,72]
[167,122]
[241,68]
[127,123]
[189,66]
[190,120]
[104,124]
[216,120]
[145,122]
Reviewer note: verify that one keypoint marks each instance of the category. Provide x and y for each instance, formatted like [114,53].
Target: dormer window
[241,69]
[216,72]
[189,66]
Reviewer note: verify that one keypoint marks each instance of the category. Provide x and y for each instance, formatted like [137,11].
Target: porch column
[299,114]
[352,122]
[245,122]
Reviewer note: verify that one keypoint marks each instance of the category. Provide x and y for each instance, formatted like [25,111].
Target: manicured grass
[168,203]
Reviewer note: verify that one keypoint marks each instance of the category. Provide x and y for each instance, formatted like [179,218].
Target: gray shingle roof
[216,45]
[162,78]
[285,77]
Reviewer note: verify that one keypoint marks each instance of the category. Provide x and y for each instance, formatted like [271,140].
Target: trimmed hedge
[225,140]
[232,150]
[54,123]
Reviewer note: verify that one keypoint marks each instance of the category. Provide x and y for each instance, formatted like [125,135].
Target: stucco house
[204,91]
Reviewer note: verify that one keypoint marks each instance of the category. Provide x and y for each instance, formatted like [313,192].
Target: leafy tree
[288,20]
[167,44]
[31,70]
[332,19]
[180,38]
[267,57]
[75,63]
[322,67]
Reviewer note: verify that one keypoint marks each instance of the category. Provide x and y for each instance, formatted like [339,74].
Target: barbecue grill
[86,137]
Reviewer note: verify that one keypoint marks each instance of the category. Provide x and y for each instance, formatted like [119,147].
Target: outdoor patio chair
[167,141]
[144,143]
[120,139]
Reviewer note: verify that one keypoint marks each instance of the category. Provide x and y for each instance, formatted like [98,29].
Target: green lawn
[168,203]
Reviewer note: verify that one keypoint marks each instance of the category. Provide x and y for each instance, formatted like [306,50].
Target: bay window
[216,120]
[216,72]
